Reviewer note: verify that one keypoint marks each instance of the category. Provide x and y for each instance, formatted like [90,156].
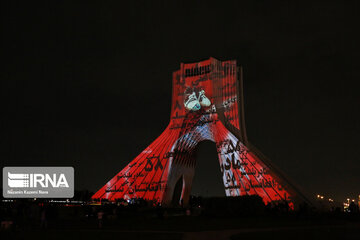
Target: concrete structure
[207,104]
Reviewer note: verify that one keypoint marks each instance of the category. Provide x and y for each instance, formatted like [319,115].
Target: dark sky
[89,86]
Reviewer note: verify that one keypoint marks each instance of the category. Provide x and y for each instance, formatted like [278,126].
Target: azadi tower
[207,104]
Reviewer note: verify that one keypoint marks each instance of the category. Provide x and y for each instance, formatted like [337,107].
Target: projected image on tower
[207,104]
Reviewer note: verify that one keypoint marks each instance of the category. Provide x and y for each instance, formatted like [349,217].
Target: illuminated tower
[207,104]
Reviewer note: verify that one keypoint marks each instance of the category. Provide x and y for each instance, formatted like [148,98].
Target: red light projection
[207,104]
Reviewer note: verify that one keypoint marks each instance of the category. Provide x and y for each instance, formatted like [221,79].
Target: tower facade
[207,104]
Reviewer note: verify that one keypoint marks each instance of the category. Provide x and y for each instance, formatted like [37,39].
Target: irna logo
[38,182]
[24,180]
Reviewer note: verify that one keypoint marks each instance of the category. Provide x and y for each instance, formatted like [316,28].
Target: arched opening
[175,202]
[207,180]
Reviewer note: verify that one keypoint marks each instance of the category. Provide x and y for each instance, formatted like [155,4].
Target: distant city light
[320,196]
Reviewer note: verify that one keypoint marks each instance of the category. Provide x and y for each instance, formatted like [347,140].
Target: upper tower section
[209,86]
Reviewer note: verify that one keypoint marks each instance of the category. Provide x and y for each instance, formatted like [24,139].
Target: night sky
[89,86]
